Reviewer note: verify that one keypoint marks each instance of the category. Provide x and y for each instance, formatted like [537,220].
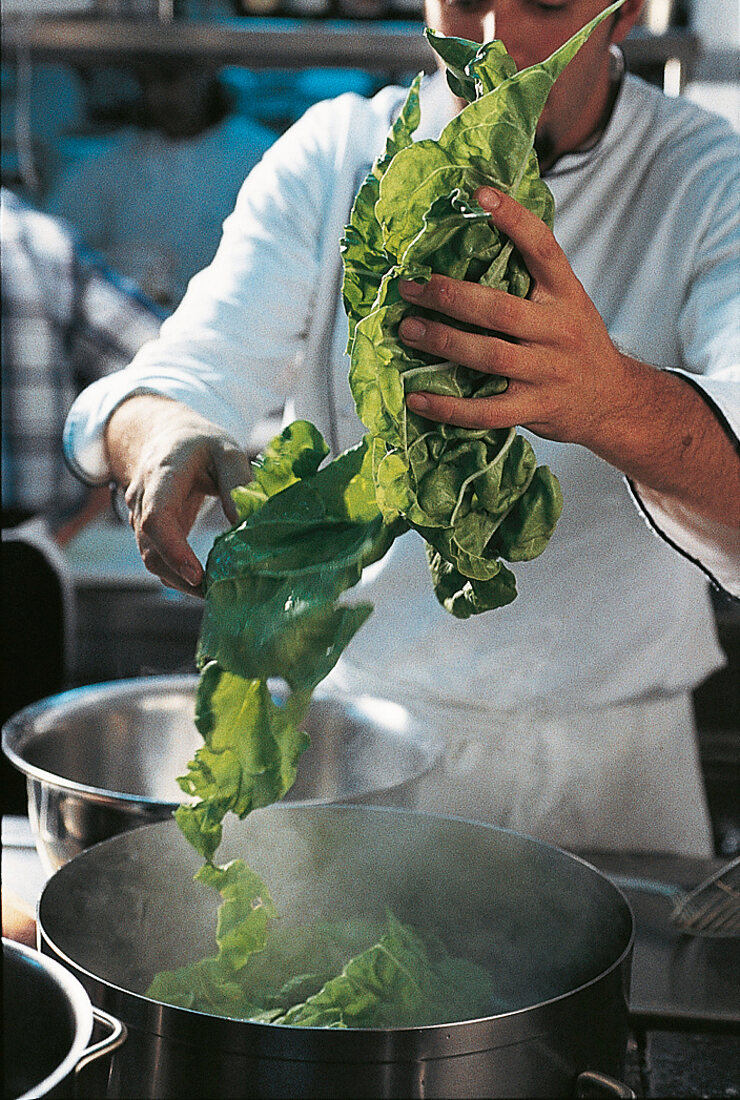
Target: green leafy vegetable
[274,582]
[335,974]
[272,588]
[476,497]
[250,756]
[405,980]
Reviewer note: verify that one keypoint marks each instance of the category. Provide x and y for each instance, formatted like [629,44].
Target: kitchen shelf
[392,47]
[257,43]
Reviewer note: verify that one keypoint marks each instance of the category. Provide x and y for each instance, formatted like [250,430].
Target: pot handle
[105,1046]
[590,1083]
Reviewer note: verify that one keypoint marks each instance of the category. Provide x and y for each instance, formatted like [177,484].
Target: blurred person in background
[153,200]
[67,319]
[568,713]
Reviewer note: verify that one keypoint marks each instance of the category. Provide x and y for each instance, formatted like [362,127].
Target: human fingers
[483,306]
[506,410]
[161,518]
[170,576]
[489,354]
[545,259]
[231,469]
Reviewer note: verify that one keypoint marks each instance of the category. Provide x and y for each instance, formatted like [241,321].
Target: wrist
[668,441]
[133,423]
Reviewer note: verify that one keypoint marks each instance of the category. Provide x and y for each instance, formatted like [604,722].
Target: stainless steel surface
[600,1084]
[679,981]
[47,1025]
[105,758]
[555,934]
[711,909]
[260,44]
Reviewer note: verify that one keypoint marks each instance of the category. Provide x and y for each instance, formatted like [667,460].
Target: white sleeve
[230,349]
[710,337]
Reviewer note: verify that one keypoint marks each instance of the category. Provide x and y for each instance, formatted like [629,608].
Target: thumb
[232,469]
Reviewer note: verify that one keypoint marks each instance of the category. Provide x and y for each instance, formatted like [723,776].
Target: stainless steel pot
[102,759]
[47,1025]
[555,934]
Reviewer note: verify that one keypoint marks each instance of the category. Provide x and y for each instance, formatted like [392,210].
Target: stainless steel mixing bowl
[102,759]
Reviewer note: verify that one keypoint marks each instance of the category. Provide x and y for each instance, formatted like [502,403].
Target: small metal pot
[102,759]
[553,932]
[47,1025]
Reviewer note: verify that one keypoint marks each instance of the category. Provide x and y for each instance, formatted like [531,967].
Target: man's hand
[565,375]
[567,380]
[168,459]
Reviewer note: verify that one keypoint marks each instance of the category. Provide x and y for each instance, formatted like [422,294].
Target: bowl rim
[427,737]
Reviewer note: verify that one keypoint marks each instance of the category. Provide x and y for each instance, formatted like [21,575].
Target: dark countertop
[683,1064]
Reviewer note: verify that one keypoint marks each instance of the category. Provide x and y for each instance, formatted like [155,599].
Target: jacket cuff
[712,546]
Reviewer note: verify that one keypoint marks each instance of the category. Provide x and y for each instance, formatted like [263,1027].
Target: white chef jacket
[567,713]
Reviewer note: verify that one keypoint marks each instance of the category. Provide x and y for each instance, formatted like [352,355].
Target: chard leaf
[362,249]
[461,484]
[464,596]
[306,532]
[250,754]
[208,985]
[297,452]
[405,980]
[273,582]
[244,914]
[215,984]
[328,974]
[272,590]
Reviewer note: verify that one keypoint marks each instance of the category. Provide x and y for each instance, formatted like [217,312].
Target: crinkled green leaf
[272,610]
[208,985]
[362,245]
[525,531]
[249,757]
[433,475]
[464,596]
[297,452]
[214,984]
[405,980]
[330,974]
[245,913]
[274,581]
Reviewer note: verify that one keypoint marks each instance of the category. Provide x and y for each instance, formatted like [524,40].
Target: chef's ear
[625,19]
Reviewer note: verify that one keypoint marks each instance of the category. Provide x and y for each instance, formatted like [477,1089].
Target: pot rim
[148,1018]
[79,1002]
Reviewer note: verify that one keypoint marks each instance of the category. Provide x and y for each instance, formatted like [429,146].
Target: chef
[567,714]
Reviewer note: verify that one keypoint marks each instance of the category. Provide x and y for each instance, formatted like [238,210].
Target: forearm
[671,443]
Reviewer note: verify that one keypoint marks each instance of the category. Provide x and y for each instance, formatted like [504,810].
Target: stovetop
[683,1064]
[679,981]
